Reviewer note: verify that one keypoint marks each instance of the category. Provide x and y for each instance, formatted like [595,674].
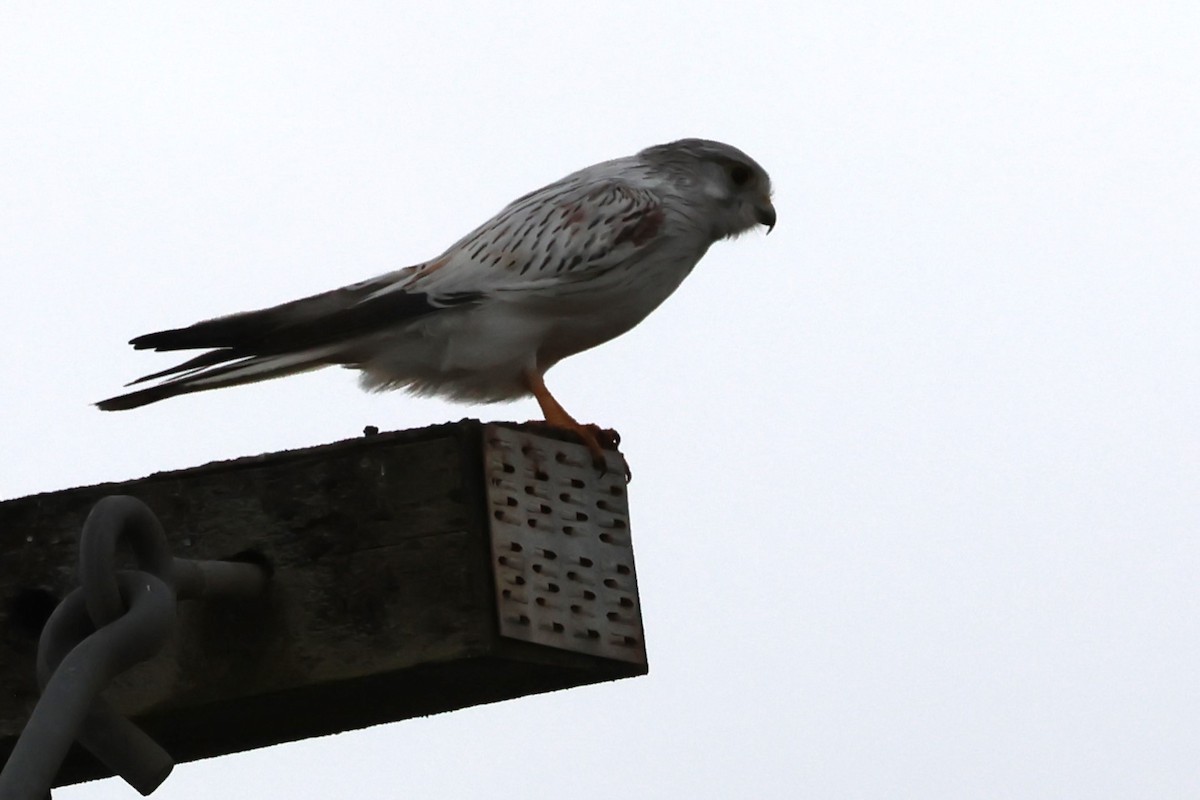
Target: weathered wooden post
[412,573]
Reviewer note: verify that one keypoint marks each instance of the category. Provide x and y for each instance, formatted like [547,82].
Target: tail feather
[192,365]
[250,370]
[143,397]
[294,337]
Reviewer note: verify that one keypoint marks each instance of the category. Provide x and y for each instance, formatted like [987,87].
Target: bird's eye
[739,174]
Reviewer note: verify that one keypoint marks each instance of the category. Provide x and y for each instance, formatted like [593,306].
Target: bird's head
[730,187]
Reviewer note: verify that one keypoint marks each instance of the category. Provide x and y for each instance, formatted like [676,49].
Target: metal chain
[116,619]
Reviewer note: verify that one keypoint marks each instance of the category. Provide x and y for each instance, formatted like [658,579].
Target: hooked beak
[765,214]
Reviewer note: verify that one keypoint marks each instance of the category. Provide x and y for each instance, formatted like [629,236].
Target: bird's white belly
[591,318]
[480,353]
[476,354]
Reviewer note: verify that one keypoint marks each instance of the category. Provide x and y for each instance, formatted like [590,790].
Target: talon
[610,439]
[625,464]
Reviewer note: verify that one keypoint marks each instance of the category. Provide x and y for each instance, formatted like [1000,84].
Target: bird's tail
[294,337]
[199,379]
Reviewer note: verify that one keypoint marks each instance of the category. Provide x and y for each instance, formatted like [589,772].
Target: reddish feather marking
[574,214]
[644,228]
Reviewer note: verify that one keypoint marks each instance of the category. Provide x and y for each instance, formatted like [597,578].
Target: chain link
[117,618]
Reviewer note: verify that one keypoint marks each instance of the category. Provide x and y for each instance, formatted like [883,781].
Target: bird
[558,271]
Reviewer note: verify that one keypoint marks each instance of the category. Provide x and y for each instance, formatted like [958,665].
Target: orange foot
[598,440]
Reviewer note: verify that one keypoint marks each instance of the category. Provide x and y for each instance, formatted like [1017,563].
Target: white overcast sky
[917,478]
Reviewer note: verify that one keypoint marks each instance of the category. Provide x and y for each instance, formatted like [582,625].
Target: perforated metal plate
[561,548]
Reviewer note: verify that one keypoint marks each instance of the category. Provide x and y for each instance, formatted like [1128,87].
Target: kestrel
[558,271]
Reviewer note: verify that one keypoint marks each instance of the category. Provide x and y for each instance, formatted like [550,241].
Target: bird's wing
[560,237]
[320,319]
[555,240]
[556,237]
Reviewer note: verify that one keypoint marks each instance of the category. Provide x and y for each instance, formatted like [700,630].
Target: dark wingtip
[149,341]
[211,333]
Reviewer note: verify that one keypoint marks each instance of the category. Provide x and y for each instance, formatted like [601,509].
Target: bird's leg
[557,417]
